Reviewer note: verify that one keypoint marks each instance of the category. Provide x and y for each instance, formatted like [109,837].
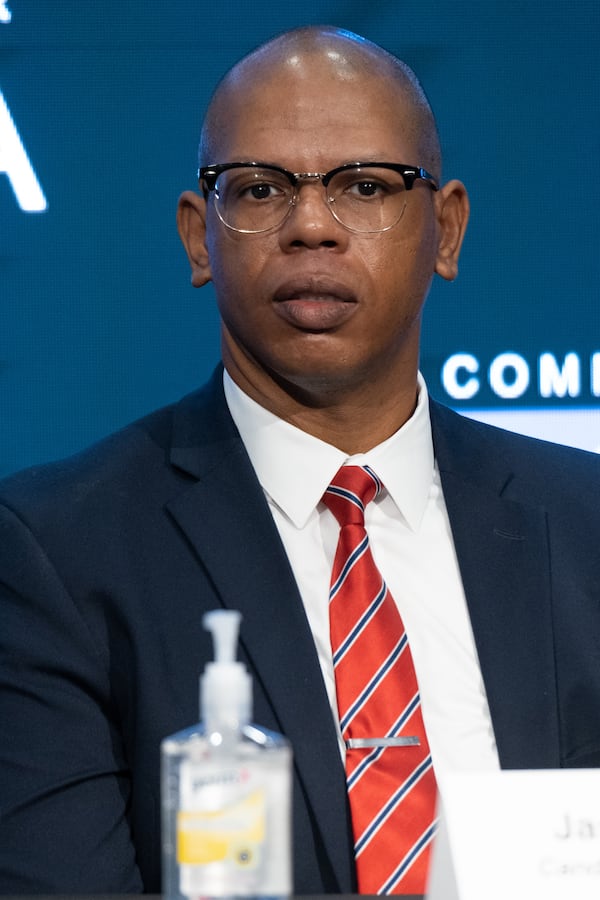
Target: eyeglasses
[252,198]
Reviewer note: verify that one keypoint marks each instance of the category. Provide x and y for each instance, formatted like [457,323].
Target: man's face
[316,307]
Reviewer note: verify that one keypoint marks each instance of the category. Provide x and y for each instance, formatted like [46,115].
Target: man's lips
[315,304]
[314,287]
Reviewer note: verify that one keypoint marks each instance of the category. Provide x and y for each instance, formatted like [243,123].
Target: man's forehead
[299,112]
[302,84]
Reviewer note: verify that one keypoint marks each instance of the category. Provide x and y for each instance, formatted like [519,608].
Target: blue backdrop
[100,110]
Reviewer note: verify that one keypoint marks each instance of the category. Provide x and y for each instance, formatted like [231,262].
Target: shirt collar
[404,462]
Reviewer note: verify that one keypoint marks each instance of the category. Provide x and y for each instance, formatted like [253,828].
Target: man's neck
[353,421]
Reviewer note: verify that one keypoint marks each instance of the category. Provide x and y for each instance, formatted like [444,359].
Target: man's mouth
[315,304]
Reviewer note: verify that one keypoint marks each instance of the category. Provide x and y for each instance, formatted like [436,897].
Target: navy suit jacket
[108,561]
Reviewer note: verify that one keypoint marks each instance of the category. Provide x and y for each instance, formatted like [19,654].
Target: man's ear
[452,209]
[191,224]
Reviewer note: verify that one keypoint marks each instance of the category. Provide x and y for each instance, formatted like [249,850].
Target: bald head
[325,55]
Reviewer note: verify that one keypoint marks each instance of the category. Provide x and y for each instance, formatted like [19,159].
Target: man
[487,540]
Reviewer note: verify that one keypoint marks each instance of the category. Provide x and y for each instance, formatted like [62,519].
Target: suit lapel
[502,549]
[227,521]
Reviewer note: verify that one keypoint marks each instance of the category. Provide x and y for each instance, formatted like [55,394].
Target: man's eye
[262,190]
[368,189]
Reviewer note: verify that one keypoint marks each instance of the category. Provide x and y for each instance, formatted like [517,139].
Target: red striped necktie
[391,784]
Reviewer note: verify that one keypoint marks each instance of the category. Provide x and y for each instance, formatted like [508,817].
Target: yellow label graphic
[234,833]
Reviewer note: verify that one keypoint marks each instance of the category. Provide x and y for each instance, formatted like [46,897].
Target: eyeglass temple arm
[411,176]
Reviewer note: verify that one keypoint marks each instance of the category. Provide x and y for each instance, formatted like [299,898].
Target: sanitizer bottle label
[221,827]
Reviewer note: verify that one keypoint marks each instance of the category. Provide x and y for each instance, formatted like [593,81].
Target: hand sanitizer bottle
[226,789]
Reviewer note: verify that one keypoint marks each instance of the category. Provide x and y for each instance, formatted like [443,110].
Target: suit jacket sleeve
[64,784]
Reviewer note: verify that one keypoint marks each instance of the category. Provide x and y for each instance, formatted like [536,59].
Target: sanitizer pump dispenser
[226,789]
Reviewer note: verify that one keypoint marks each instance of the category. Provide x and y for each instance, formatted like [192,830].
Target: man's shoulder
[134,460]
[108,454]
[469,446]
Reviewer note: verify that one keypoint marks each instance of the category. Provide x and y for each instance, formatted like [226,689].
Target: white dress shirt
[412,545]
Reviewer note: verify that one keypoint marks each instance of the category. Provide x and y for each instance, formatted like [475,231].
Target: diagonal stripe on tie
[360,625]
[391,789]
[370,688]
[349,564]
[391,805]
[411,857]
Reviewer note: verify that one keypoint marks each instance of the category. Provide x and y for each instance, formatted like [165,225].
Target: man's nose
[310,221]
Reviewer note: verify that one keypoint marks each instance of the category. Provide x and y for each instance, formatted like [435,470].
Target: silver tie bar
[365,743]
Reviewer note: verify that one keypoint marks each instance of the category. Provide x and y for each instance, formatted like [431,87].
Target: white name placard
[518,835]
